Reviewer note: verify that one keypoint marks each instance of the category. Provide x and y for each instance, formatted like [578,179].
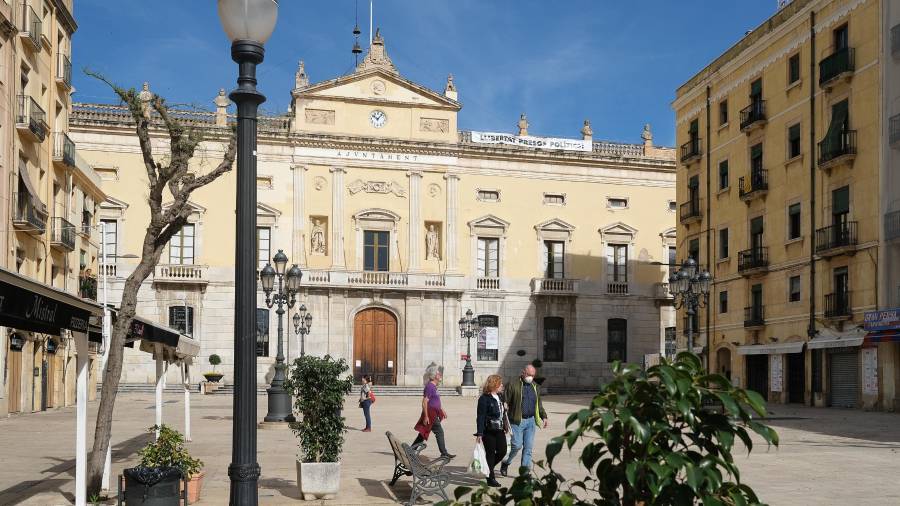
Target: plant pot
[146,487]
[318,480]
[213,377]
[193,487]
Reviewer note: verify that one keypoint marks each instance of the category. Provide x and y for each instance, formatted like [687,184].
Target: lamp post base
[468,377]
[279,405]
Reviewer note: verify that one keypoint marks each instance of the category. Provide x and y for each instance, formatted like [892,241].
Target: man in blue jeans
[526,414]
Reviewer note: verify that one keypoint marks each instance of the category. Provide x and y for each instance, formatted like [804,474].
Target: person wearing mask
[526,414]
[365,401]
[491,424]
[432,412]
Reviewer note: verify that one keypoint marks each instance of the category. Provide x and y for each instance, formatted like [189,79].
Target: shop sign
[888,319]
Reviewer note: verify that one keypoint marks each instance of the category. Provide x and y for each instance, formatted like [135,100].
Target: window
[488,257]
[794,68]
[82,260]
[617,340]
[670,342]
[555,259]
[554,339]
[263,245]
[555,199]
[262,332]
[723,174]
[488,337]
[794,141]
[723,301]
[617,263]
[794,289]
[617,203]
[756,158]
[841,38]
[181,246]
[756,91]
[20,259]
[723,112]
[723,244]
[673,256]
[376,250]
[489,195]
[840,206]
[111,227]
[794,221]
[694,249]
[181,318]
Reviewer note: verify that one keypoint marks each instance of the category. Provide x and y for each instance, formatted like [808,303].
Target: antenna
[370,22]
[356,31]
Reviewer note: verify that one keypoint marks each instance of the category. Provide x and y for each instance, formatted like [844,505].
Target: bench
[428,477]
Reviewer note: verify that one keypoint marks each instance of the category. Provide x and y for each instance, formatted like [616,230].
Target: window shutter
[756,226]
[756,151]
[756,88]
[695,127]
[839,114]
[840,200]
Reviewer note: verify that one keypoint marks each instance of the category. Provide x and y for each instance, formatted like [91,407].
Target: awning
[828,338]
[884,336]
[770,349]
[176,344]
[31,306]
[26,178]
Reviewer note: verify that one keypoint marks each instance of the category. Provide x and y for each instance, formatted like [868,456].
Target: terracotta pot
[193,487]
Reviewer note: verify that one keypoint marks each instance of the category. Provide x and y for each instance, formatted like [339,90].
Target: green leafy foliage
[214,360]
[168,451]
[319,389]
[649,437]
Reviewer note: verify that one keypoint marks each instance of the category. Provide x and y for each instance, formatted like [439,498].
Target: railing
[178,273]
[31,27]
[487,283]
[27,214]
[691,149]
[755,112]
[753,258]
[378,278]
[690,210]
[892,225]
[837,305]
[63,149]
[895,40]
[557,286]
[316,277]
[31,116]
[895,130]
[754,316]
[661,291]
[837,63]
[757,182]
[617,288]
[62,233]
[836,146]
[87,287]
[836,236]
[64,70]
[110,270]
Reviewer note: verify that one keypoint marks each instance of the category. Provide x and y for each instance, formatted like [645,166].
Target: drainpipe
[708,211]
[811,330]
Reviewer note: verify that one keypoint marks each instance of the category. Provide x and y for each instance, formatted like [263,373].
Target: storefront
[835,360]
[881,360]
[765,369]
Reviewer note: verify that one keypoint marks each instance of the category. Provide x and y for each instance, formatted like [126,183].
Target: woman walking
[365,401]
[491,424]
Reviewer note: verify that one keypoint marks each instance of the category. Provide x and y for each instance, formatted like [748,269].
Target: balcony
[110,270]
[554,286]
[837,306]
[181,274]
[29,216]
[617,288]
[31,120]
[382,280]
[753,260]
[661,291]
[64,71]
[487,283]
[895,131]
[691,150]
[836,240]
[63,149]
[757,185]
[837,149]
[753,116]
[754,317]
[31,28]
[87,287]
[839,65]
[690,211]
[62,234]
[892,225]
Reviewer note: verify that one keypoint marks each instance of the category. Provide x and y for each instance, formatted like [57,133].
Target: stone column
[298,234]
[415,220]
[452,208]
[337,217]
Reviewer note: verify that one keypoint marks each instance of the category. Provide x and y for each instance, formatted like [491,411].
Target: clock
[378,118]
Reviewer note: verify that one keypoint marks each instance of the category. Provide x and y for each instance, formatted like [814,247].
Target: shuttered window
[555,252]
[617,263]
[488,257]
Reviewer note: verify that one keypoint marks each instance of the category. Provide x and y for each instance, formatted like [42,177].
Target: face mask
[529,379]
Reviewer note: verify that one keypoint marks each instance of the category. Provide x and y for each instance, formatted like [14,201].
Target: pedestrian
[526,414]
[365,401]
[491,424]
[432,413]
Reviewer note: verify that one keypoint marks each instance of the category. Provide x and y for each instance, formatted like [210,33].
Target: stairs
[404,391]
[228,389]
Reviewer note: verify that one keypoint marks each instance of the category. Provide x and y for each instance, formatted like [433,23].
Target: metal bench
[428,477]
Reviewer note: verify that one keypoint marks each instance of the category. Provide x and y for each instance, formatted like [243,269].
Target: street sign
[888,319]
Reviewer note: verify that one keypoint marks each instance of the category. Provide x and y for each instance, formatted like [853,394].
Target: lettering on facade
[532,142]
[382,187]
[319,117]
[375,155]
[42,311]
[434,125]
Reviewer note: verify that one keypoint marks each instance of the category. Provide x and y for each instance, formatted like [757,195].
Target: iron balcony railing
[62,233]
[895,130]
[691,149]
[892,225]
[758,181]
[64,70]
[837,145]
[31,27]
[29,213]
[690,210]
[32,116]
[895,40]
[837,305]
[753,113]
[837,63]
[753,258]
[754,316]
[836,236]
[63,149]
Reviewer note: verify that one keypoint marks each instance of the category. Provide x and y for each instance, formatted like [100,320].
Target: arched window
[554,339]
[262,332]
[181,318]
[617,339]
[488,338]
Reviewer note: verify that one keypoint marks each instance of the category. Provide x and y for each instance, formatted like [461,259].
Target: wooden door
[375,346]
[15,381]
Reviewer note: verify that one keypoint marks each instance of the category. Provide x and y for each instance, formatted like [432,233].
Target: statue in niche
[432,248]
[317,238]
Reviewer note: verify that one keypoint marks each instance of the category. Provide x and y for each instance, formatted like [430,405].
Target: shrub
[215,360]
[168,451]
[318,390]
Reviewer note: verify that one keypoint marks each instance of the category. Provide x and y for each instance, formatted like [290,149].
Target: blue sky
[615,62]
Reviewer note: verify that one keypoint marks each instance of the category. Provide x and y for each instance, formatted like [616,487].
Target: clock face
[378,119]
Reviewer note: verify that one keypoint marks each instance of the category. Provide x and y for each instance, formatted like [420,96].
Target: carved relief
[319,117]
[434,190]
[318,243]
[378,87]
[319,183]
[434,125]
[382,187]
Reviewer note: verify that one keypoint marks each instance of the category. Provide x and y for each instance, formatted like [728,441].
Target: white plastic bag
[479,465]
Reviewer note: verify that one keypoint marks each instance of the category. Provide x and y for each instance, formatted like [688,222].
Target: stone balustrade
[175,273]
[554,286]
[387,280]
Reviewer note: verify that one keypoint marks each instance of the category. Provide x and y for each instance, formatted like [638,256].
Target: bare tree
[170,176]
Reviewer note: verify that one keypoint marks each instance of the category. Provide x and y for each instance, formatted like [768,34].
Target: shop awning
[176,344]
[828,338]
[28,305]
[883,336]
[770,349]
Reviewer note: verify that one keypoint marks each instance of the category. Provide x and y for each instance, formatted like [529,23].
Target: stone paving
[827,456]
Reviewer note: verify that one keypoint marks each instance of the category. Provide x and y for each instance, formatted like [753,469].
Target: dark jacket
[514,401]
[487,410]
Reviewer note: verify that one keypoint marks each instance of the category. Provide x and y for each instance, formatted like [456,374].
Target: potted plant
[214,376]
[318,386]
[164,463]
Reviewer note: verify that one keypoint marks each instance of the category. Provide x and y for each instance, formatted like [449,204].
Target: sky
[616,63]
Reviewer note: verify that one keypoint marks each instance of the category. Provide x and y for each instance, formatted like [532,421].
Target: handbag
[372,396]
[495,424]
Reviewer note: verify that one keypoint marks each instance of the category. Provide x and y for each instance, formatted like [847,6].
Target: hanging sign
[888,319]
[527,141]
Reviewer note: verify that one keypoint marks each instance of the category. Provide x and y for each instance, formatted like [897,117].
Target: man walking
[432,412]
[526,414]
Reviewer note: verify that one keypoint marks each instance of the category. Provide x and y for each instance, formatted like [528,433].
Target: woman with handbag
[491,425]
[366,399]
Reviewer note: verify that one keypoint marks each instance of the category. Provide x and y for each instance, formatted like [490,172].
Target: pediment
[555,224]
[668,233]
[376,86]
[620,229]
[267,210]
[377,215]
[488,225]
[193,206]
[114,203]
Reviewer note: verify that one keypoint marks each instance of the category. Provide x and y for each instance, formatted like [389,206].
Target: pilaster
[298,234]
[415,220]
[452,211]
[337,217]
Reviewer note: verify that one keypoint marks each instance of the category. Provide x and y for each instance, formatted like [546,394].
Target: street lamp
[284,295]
[302,324]
[690,290]
[249,24]
[468,326]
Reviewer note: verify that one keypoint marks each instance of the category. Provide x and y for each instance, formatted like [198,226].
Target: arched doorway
[375,346]
[723,362]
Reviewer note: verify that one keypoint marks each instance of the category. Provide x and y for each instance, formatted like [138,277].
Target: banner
[528,141]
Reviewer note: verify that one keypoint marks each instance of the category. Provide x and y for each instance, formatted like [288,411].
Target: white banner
[532,142]
[491,338]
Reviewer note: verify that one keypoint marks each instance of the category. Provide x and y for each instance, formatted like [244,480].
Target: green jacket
[514,401]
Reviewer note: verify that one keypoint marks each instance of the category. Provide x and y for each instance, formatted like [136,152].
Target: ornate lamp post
[468,326]
[249,24]
[691,291]
[285,295]
[302,324]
